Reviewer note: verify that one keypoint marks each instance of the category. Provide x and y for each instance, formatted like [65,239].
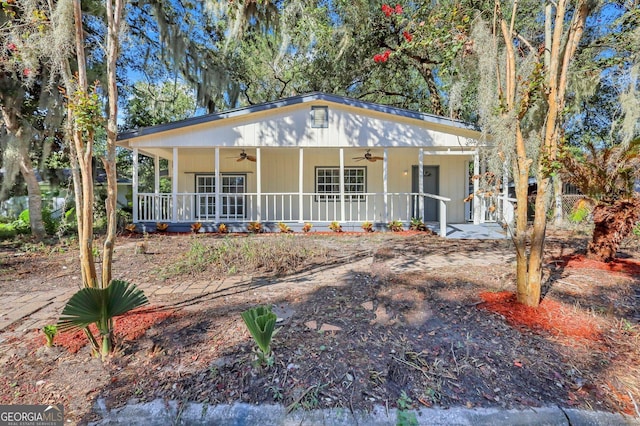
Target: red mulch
[129,326]
[550,316]
[625,266]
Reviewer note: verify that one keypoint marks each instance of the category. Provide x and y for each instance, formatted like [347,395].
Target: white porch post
[385,173]
[476,188]
[300,186]
[421,184]
[341,184]
[258,185]
[443,219]
[156,174]
[134,185]
[174,187]
[217,184]
[156,185]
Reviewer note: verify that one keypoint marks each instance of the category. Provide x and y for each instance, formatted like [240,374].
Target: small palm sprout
[100,306]
[261,322]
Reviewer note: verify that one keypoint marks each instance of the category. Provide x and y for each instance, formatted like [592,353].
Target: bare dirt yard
[369,319]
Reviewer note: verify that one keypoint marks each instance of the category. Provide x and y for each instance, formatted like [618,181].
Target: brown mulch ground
[446,336]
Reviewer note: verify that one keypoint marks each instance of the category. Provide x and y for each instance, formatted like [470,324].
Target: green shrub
[7,231]
[579,215]
[24,216]
[51,224]
[395,226]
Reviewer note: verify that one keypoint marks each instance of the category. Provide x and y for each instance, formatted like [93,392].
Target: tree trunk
[16,131]
[84,153]
[434,95]
[612,224]
[521,174]
[35,197]
[114,15]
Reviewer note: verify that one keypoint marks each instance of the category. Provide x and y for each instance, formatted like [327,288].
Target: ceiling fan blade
[251,158]
[377,158]
[240,159]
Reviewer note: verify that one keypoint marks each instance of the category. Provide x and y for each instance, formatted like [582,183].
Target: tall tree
[522,104]
[20,86]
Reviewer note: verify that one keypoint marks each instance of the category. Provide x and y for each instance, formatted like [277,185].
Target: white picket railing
[494,209]
[285,207]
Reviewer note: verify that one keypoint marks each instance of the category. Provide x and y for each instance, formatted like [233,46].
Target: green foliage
[604,174]
[579,214]
[153,104]
[87,109]
[405,417]
[7,231]
[50,331]
[335,226]
[16,227]
[367,227]
[395,226]
[281,255]
[417,224]
[261,323]
[24,216]
[99,306]
[284,228]
[51,224]
[254,227]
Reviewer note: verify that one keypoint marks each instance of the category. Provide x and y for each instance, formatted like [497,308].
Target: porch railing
[288,207]
[494,209]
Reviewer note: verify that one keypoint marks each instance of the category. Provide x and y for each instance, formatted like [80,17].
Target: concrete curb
[161,412]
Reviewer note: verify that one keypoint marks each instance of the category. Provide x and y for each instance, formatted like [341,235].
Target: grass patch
[276,254]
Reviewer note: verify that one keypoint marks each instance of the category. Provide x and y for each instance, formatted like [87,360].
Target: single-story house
[314,158]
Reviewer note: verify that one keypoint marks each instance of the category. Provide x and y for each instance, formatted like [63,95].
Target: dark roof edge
[294,100]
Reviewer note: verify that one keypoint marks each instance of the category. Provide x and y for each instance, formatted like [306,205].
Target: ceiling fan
[369,157]
[244,156]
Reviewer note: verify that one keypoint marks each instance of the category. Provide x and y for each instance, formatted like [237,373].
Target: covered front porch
[310,185]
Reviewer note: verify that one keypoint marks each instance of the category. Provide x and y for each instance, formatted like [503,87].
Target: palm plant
[607,175]
[100,306]
[261,323]
[50,332]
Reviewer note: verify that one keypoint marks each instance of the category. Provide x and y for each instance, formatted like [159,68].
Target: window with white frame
[328,183]
[232,196]
[319,116]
